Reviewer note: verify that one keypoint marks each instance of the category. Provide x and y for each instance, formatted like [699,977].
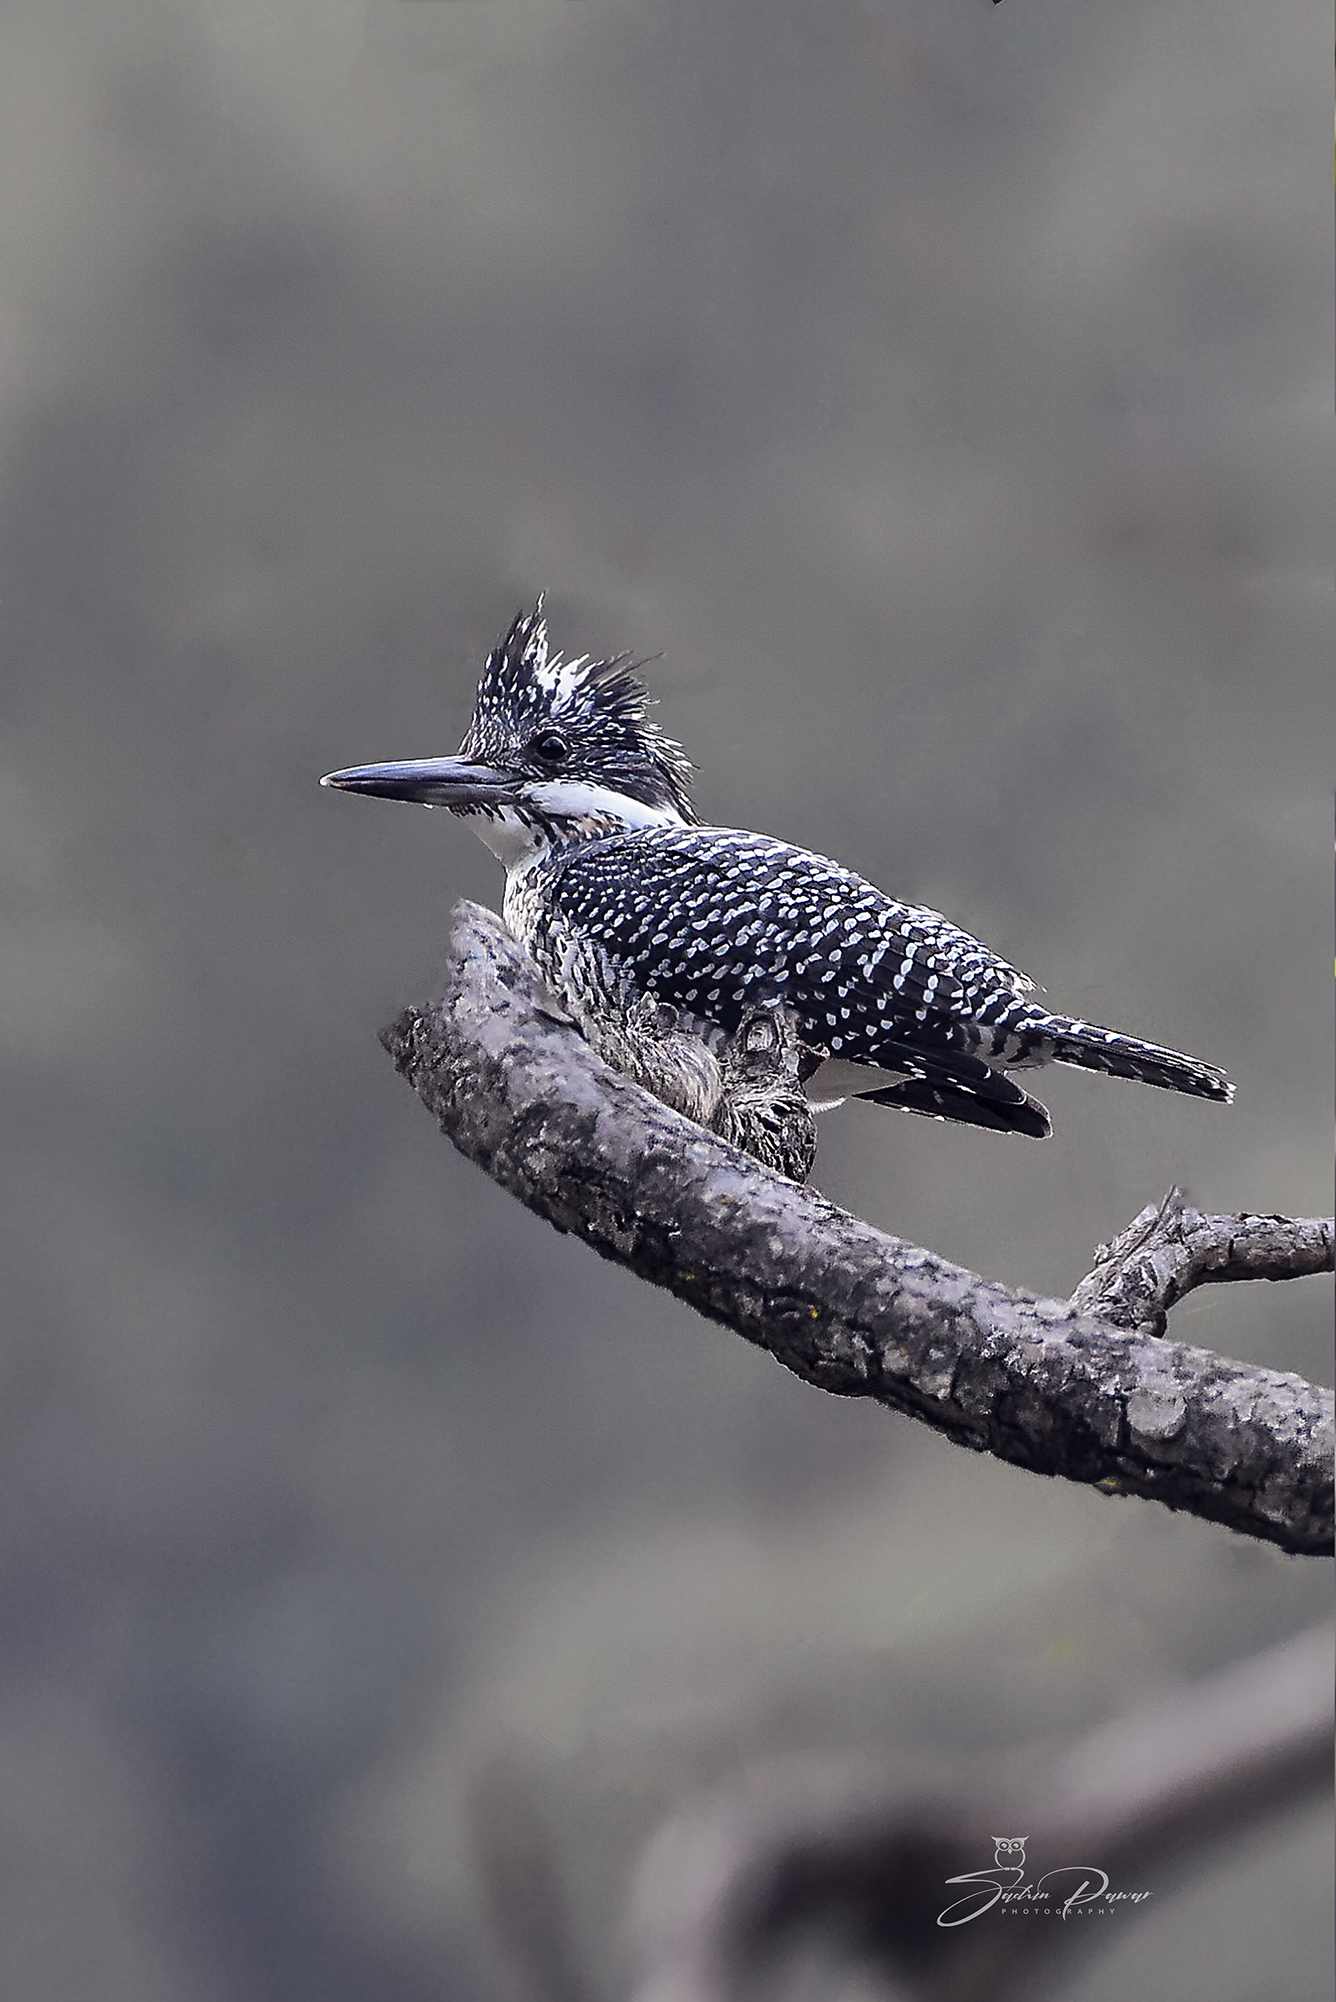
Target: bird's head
[558,751]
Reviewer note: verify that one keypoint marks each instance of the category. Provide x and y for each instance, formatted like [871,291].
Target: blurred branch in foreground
[814,1850]
[1044,1384]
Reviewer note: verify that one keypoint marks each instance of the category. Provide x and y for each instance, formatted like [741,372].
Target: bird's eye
[550,746]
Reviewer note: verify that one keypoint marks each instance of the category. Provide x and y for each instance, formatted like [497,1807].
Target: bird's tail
[936,1097]
[1061,1041]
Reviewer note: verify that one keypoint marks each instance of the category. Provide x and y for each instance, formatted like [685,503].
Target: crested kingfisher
[703,959]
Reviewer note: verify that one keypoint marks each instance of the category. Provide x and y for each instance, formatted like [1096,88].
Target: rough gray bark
[1170,1248]
[1037,1382]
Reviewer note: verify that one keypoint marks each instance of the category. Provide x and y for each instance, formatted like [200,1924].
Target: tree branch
[1170,1248]
[809,1845]
[1036,1382]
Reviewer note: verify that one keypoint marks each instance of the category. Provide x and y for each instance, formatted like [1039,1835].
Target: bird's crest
[602,705]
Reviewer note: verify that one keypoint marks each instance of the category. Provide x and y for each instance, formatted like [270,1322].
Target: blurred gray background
[943,391]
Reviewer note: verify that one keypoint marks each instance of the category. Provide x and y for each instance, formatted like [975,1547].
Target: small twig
[844,1306]
[1170,1248]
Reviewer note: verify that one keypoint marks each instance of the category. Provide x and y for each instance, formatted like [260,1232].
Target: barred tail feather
[1096,1049]
[953,1085]
[937,1097]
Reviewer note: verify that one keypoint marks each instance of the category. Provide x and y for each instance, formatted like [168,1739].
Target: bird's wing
[717,921]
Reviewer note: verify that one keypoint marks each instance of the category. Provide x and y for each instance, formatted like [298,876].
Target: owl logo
[1009,1852]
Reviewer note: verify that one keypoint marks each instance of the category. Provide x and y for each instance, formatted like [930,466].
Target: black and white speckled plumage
[623,900]
[602,706]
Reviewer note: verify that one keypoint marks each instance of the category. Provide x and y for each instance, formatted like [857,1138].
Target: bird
[747,1089]
[669,941]
[762,1107]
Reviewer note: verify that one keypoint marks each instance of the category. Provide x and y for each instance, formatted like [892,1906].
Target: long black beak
[430,782]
